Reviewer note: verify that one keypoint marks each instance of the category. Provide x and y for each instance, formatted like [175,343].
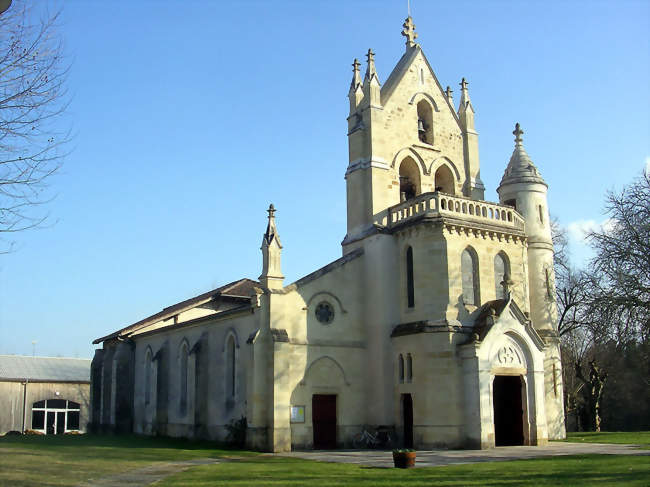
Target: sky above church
[191,117]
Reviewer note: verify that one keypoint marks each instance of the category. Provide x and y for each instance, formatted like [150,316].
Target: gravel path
[147,475]
[437,458]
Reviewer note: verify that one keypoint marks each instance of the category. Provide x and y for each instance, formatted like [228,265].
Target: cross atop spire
[463,84]
[517,132]
[409,31]
[271,211]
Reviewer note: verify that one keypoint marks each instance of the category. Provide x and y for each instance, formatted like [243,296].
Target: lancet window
[469,271]
[182,369]
[501,270]
[231,367]
[410,288]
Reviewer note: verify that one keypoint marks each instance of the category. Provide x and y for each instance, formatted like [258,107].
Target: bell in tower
[422,130]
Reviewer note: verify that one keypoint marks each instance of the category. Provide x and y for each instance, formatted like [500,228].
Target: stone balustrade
[463,208]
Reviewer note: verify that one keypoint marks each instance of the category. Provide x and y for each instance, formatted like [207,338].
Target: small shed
[50,395]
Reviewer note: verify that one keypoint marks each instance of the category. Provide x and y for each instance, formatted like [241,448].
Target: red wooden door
[324,420]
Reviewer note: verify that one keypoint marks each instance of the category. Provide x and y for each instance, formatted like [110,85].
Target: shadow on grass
[114,444]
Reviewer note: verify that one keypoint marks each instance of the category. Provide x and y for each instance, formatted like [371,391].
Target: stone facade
[437,326]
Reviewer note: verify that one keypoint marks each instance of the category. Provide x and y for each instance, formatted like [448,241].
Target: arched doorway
[508,410]
[407,411]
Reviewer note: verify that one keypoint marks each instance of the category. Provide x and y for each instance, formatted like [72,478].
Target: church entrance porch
[508,410]
[324,421]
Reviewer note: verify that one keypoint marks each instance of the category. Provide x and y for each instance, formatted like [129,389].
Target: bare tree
[33,100]
[596,383]
[571,285]
[621,293]
[604,313]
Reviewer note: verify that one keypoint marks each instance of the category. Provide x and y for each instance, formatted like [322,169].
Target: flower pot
[404,459]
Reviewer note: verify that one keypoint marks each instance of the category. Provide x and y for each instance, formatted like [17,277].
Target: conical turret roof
[521,168]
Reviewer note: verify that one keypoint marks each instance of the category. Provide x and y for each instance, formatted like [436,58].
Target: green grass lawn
[67,461]
[588,470]
[641,438]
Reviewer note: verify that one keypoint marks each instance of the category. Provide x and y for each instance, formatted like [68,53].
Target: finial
[449,93]
[463,84]
[409,31]
[370,56]
[517,132]
[371,71]
[356,77]
[271,232]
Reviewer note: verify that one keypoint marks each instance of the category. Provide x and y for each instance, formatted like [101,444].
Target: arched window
[410,289]
[147,377]
[230,367]
[409,368]
[444,180]
[409,179]
[182,380]
[469,271]
[401,368]
[501,270]
[425,122]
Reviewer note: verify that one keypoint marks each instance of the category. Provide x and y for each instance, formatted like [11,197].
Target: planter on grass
[404,458]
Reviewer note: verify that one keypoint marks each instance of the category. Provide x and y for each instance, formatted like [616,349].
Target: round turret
[523,187]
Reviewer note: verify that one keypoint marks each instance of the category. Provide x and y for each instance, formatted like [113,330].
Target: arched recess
[183,356]
[148,375]
[441,161]
[501,270]
[325,361]
[470,276]
[231,366]
[409,368]
[420,95]
[443,180]
[425,122]
[231,361]
[409,179]
[328,294]
[231,332]
[400,368]
[410,286]
[410,151]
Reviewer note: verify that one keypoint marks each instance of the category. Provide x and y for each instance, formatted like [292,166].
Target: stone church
[437,326]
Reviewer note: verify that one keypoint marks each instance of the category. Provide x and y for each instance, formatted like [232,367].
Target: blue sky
[191,117]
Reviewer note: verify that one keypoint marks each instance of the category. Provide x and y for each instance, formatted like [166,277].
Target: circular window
[325,313]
